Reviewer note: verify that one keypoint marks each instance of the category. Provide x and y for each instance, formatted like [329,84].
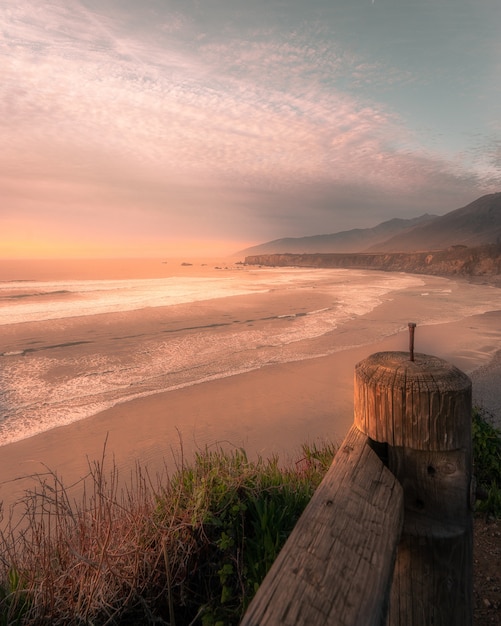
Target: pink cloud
[99,122]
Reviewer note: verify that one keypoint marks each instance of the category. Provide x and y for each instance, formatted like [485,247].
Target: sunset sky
[146,128]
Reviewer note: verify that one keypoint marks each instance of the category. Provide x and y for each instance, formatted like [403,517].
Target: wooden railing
[387,536]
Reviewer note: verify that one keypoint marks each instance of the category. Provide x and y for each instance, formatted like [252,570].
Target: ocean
[72,348]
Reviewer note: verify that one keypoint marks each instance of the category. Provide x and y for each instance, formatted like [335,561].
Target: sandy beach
[270,410]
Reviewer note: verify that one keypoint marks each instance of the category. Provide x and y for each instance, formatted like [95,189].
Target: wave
[42,301]
[75,376]
[35,294]
[55,383]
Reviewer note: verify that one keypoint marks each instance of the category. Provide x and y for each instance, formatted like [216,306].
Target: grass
[189,550]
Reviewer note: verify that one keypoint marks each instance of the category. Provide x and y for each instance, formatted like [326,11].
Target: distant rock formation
[459,260]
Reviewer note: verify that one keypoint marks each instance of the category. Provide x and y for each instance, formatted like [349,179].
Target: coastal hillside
[477,224]
[355,240]
[481,261]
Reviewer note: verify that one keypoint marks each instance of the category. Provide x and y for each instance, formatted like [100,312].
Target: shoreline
[270,411]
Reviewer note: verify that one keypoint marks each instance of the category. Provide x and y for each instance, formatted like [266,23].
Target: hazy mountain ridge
[354,240]
[476,224]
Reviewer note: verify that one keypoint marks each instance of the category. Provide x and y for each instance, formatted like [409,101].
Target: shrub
[191,550]
[487,462]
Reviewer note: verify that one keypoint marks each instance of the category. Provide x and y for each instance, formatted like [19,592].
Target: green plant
[190,551]
[241,512]
[492,503]
[487,462]
[14,599]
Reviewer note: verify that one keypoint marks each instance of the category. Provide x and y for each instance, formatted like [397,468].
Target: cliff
[481,261]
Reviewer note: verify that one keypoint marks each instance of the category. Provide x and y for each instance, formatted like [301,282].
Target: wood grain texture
[436,489]
[423,404]
[337,564]
[422,410]
[432,581]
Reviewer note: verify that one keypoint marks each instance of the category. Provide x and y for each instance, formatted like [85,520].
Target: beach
[305,394]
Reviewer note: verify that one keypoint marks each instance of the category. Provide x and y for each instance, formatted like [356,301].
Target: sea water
[44,384]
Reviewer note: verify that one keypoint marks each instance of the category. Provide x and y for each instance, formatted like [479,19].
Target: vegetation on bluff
[192,550]
[487,464]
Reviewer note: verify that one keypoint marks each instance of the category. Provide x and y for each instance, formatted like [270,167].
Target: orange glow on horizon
[31,248]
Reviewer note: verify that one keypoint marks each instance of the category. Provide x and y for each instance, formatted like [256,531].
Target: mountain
[476,224]
[345,241]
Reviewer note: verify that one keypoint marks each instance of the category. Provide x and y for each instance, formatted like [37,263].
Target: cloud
[121,125]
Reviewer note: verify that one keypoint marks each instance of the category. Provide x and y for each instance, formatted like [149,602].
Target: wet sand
[268,411]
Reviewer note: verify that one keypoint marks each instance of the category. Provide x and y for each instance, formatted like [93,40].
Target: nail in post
[412,326]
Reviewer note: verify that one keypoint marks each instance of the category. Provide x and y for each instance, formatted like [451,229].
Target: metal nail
[412,326]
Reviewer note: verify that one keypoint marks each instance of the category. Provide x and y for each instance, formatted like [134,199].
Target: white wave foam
[85,383]
[106,296]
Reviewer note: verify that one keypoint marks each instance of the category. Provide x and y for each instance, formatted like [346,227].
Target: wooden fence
[387,536]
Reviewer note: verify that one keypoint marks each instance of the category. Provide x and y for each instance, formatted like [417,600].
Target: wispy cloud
[101,114]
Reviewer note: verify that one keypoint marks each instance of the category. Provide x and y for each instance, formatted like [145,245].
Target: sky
[154,127]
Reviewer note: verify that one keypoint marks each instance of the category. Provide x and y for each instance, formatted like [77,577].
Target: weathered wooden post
[419,413]
[386,539]
[336,567]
